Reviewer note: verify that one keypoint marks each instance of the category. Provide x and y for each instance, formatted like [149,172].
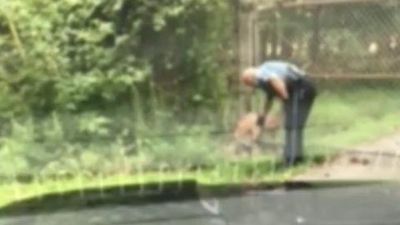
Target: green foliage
[66,65]
[15,151]
[72,55]
[93,124]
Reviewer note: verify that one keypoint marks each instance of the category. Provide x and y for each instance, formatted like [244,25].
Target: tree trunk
[263,45]
[287,46]
[315,39]
[246,46]
[274,36]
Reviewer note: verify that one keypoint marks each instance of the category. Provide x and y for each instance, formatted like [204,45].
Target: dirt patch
[378,160]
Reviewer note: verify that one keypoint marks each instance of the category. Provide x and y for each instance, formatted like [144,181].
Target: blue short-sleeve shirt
[276,69]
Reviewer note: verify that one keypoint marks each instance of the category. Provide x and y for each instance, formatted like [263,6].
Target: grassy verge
[246,173]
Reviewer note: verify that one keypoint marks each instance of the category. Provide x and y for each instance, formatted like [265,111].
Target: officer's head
[248,77]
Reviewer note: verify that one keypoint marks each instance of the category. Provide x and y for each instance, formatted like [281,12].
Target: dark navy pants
[297,107]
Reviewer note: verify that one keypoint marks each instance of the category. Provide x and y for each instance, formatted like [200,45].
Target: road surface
[370,204]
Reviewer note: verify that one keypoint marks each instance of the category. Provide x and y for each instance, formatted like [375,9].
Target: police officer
[288,83]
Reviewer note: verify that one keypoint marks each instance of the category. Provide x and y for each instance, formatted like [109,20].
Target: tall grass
[347,117]
[127,139]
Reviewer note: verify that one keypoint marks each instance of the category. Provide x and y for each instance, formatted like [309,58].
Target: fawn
[249,130]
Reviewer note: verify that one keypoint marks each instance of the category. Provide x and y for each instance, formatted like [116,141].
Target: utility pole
[248,43]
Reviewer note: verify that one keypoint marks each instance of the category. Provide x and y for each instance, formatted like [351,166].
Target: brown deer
[249,130]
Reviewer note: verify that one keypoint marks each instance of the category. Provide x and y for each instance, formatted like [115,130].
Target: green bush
[77,55]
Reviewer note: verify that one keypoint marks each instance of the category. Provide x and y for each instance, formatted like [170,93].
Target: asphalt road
[372,204]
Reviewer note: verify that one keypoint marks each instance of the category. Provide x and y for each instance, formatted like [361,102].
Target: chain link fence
[342,38]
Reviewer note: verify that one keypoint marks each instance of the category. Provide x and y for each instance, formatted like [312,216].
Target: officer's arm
[269,100]
[267,108]
[280,88]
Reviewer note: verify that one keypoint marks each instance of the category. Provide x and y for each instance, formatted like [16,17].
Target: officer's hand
[261,120]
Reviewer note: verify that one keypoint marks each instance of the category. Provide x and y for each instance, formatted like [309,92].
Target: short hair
[248,74]
[249,71]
